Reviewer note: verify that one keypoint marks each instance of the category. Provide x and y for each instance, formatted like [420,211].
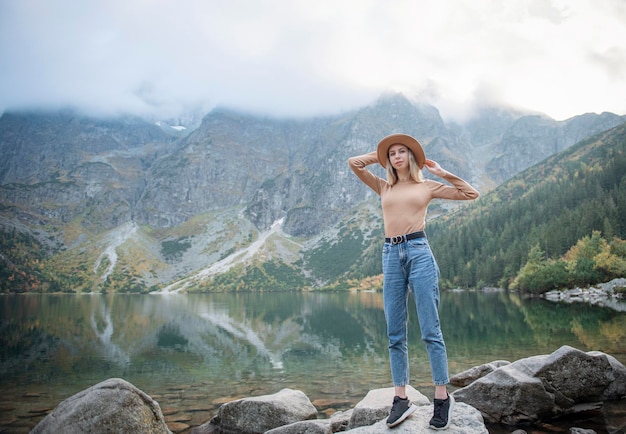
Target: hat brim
[382,151]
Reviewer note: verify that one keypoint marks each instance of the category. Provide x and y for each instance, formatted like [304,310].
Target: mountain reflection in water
[200,349]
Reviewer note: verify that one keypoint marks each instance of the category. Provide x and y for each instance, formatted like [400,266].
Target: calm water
[194,352]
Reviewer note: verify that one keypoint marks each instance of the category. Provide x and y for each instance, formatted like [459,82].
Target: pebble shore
[603,294]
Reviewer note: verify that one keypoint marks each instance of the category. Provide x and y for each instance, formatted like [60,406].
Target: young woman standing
[408,263]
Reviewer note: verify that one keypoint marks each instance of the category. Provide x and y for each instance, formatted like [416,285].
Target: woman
[408,263]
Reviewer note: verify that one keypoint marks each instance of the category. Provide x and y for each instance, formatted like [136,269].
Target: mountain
[241,201]
[552,205]
[533,138]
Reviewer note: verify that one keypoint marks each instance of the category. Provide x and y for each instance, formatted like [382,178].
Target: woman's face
[399,156]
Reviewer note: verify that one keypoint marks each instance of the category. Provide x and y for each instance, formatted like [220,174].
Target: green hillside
[542,212]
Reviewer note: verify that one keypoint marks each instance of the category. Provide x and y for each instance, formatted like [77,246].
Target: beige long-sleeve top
[405,204]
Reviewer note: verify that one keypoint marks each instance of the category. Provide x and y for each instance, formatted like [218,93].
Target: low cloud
[304,58]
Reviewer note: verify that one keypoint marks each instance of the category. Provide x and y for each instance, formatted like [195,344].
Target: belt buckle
[397,239]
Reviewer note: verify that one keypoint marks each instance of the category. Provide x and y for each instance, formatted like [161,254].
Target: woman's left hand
[434,168]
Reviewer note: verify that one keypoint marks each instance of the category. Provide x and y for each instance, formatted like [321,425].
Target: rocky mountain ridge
[198,197]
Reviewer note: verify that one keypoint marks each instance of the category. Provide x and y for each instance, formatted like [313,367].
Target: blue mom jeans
[411,266]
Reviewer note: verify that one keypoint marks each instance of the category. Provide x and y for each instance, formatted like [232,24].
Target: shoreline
[602,294]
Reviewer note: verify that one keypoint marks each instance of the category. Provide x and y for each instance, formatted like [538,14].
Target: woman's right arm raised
[359,165]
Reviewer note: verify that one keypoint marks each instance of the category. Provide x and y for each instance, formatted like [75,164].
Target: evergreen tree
[551,207]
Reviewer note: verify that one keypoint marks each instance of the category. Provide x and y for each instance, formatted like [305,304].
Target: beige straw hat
[382,150]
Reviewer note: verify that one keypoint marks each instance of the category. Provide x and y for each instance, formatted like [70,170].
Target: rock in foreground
[546,387]
[368,417]
[112,406]
[263,413]
[377,404]
[530,390]
[465,420]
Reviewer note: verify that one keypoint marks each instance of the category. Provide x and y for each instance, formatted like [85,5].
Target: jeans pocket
[418,243]
[386,248]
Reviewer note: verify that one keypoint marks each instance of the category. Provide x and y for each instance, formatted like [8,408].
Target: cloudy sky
[312,57]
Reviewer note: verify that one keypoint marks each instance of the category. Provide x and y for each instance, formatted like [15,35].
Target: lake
[193,352]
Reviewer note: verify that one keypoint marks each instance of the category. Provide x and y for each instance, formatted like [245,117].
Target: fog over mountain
[299,59]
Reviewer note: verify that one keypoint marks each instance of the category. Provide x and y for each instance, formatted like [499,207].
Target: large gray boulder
[262,413]
[117,406]
[546,386]
[112,406]
[370,415]
[336,423]
[464,378]
[464,420]
[377,405]
[319,426]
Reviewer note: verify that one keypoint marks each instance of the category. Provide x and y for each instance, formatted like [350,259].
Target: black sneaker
[401,409]
[443,409]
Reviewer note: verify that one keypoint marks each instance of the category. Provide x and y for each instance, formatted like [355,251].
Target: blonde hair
[414,170]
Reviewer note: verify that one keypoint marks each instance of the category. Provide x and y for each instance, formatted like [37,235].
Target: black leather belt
[402,238]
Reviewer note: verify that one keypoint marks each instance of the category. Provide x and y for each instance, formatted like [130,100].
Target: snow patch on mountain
[238,257]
